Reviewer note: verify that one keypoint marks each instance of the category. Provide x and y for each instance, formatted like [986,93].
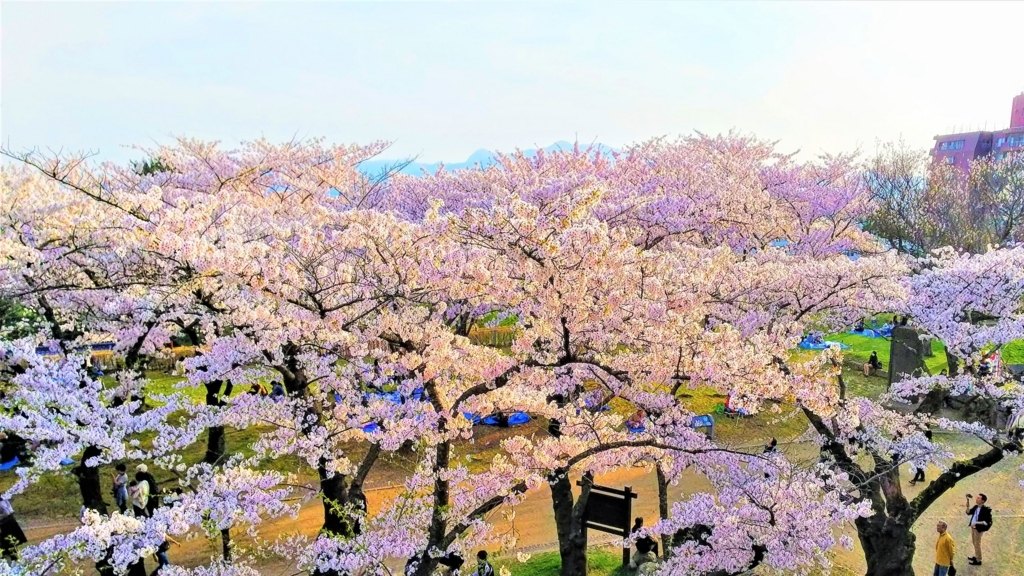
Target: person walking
[981,522]
[919,463]
[919,466]
[11,534]
[137,568]
[161,554]
[121,487]
[138,491]
[483,567]
[945,549]
[142,473]
[646,547]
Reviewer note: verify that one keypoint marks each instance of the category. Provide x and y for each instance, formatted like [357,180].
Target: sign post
[610,510]
[705,422]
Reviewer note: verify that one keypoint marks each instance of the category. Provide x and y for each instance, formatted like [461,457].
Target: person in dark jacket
[161,554]
[11,534]
[483,567]
[277,392]
[142,473]
[646,547]
[919,466]
[137,568]
[981,521]
[453,561]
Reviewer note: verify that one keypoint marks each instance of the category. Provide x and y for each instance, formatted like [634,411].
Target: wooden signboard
[610,510]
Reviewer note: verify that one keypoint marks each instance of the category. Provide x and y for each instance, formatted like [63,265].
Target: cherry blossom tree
[672,265]
[596,301]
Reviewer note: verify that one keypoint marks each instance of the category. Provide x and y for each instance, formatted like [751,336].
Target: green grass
[600,562]
[1013,353]
[859,385]
[759,428]
[510,320]
[56,495]
[860,348]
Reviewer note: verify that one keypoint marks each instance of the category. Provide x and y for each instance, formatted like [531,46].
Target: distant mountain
[481,158]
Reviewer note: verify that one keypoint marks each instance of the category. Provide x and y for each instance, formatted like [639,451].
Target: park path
[534,520]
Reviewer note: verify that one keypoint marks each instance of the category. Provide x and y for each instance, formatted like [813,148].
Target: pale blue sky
[444,79]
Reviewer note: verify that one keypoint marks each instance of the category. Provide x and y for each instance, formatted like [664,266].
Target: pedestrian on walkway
[919,463]
[11,534]
[121,487]
[981,521]
[138,491]
[483,567]
[137,568]
[161,554]
[945,549]
[646,547]
[153,502]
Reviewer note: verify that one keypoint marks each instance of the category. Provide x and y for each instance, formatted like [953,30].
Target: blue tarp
[101,346]
[809,345]
[882,332]
[518,418]
[16,461]
[515,419]
[417,394]
[636,430]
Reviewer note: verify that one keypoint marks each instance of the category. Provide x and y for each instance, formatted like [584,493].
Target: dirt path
[534,521]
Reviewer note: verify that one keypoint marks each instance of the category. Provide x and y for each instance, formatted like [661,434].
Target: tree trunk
[225,540]
[954,364]
[89,482]
[888,546]
[335,496]
[216,446]
[334,493]
[572,535]
[666,539]
[356,496]
[442,500]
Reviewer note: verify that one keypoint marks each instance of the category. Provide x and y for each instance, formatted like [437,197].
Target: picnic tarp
[809,345]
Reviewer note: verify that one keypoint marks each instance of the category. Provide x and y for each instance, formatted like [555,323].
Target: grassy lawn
[859,385]
[860,348]
[1013,353]
[600,562]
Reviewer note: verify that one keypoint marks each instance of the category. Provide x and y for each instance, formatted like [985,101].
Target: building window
[1000,142]
[1014,141]
[952,145]
[950,159]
